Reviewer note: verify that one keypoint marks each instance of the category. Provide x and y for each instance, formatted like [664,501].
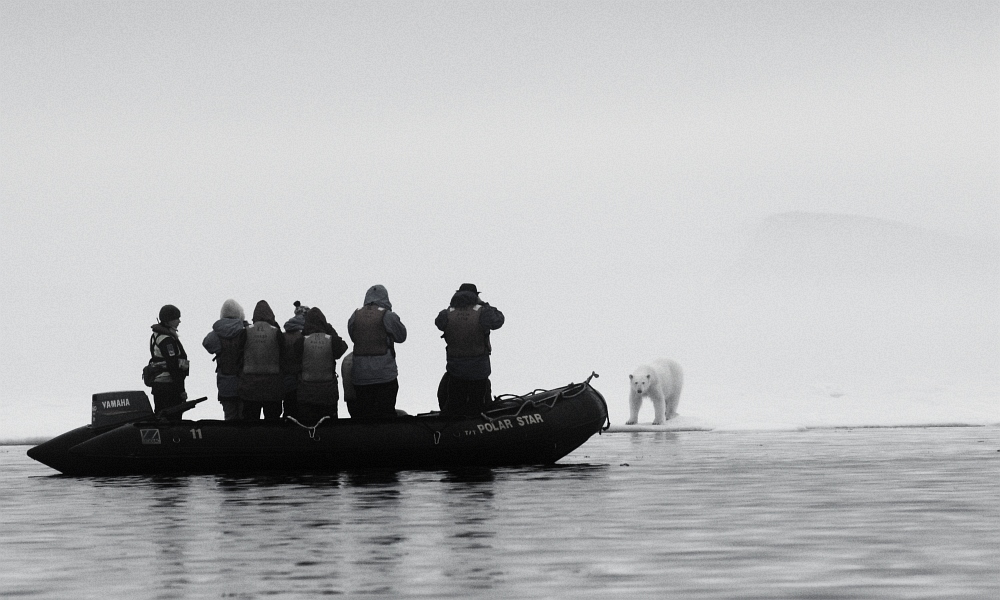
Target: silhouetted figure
[319,347]
[167,353]
[465,388]
[291,364]
[226,342]
[260,385]
[375,330]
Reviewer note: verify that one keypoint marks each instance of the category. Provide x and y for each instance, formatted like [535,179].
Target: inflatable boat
[125,437]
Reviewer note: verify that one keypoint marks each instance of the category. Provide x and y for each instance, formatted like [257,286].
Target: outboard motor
[110,408]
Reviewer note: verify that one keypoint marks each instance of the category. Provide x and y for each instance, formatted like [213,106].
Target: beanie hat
[231,309]
[300,309]
[168,313]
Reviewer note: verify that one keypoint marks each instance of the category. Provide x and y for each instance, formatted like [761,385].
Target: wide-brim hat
[468,287]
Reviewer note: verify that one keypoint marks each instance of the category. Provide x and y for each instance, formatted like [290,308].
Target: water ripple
[816,514]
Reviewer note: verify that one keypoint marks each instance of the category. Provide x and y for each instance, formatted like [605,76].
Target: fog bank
[781,196]
[806,318]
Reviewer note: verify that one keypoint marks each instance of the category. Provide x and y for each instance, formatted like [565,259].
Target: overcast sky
[579,161]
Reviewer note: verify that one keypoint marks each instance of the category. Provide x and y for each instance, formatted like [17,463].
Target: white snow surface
[719,409]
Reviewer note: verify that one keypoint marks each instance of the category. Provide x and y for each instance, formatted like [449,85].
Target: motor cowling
[109,408]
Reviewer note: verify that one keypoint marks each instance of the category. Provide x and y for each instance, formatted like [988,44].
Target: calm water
[869,513]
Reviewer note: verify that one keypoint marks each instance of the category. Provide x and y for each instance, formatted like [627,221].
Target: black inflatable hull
[539,428]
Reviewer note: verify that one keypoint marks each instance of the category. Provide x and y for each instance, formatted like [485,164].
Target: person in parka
[319,348]
[375,330]
[291,365]
[167,353]
[466,324]
[260,385]
[226,342]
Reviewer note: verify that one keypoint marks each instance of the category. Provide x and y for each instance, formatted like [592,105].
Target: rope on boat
[435,432]
[607,415]
[311,430]
[580,387]
[573,390]
[525,401]
[570,391]
[514,397]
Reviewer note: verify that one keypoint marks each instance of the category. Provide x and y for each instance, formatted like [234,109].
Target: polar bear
[661,381]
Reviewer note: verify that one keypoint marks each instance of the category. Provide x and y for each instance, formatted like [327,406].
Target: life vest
[317,358]
[463,333]
[261,354]
[227,359]
[369,335]
[159,360]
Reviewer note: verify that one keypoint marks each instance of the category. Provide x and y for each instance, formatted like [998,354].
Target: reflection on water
[827,514]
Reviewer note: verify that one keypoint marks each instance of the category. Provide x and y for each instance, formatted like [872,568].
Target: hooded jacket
[378,368]
[263,312]
[231,309]
[468,351]
[316,323]
[226,341]
[264,344]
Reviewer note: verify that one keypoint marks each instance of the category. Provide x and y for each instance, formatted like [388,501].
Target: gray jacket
[369,370]
[224,329]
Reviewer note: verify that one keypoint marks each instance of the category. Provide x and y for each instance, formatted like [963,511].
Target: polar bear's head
[640,381]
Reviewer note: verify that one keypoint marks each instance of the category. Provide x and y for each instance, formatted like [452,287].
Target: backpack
[229,360]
